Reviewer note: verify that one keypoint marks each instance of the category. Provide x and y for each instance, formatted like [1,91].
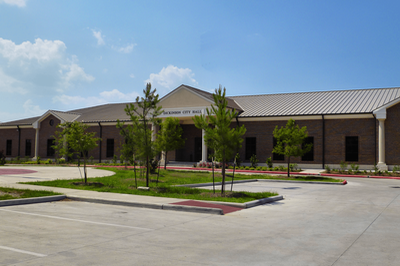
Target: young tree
[219,135]
[169,137]
[74,139]
[143,115]
[289,141]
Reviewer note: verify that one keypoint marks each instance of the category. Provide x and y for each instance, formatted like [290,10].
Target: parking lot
[355,224]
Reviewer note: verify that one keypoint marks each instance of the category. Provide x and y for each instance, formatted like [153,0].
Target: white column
[203,147]
[153,133]
[382,163]
[36,144]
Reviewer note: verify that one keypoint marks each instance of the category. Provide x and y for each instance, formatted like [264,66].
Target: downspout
[19,141]
[323,141]
[101,140]
[375,137]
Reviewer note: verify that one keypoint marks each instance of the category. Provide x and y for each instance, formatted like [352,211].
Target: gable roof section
[205,95]
[316,103]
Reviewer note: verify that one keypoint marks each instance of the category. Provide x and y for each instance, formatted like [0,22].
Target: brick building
[357,126]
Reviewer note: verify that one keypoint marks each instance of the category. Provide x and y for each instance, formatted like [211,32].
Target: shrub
[258,168]
[365,172]
[48,161]
[293,167]
[276,168]
[247,168]
[38,160]
[281,168]
[153,166]
[254,160]
[269,162]
[61,161]
[396,168]
[115,158]
[343,166]
[252,168]
[354,167]
[327,169]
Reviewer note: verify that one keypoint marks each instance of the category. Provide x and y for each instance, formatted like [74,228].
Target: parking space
[356,224]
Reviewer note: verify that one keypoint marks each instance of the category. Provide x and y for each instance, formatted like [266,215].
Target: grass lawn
[13,193]
[124,182]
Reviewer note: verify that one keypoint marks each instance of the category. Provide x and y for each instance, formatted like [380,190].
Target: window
[351,149]
[110,148]
[250,148]
[50,149]
[309,156]
[275,156]
[9,147]
[28,147]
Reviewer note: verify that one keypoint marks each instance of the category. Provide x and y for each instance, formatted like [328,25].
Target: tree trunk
[223,177]
[147,171]
[165,160]
[288,168]
[84,169]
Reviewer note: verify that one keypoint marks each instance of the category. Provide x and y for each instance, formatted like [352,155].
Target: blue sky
[63,55]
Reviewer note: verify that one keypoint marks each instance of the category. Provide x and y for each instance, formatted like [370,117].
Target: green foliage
[354,167]
[290,141]
[114,159]
[138,136]
[238,159]
[2,158]
[223,139]
[38,160]
[169,137]
[396,168]
[153,166]
[75,139]
[269,162]
[254,160]
[293,167]
[327,169]
[343,166]
[48,161]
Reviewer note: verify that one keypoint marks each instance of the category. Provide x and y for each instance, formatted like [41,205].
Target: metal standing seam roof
[267,105]
[316,103]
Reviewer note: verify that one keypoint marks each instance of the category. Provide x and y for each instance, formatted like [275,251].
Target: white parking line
[23,251]
[76,220]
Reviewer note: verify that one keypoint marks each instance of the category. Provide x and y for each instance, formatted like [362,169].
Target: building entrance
[197,149]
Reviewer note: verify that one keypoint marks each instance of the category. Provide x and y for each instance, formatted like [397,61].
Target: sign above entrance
[182,112]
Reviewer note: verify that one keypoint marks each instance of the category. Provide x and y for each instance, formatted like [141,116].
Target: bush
[254,160]
[114,159]
[153,166]
[264,168]
[354,167]
[276,168]
[281,168]
[343,166]
[269,162]
[293,167]
[61,161]
[327,169]
[247,168]
[258,168]
[38,160]
[49,161]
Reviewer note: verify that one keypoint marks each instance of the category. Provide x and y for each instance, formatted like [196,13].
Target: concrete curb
[248,204]
[303,182]
[149,205]
[13,202]
[217,183]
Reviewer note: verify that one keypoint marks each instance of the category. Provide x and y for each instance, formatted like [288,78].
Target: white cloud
[171,76]
[41,65]
[19,3]
[99,37]
[104,97]
[127,49]
[31,109]
[132,76]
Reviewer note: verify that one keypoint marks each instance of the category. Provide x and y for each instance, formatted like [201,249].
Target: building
[357,126]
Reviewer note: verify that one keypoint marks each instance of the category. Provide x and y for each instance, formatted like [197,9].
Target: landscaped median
[13,196]
[179,185]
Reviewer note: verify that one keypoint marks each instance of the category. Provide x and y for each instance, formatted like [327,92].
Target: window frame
[28,143]
[50,150]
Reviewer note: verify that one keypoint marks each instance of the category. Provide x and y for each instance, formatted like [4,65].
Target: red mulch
[4,171]
[225,209]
